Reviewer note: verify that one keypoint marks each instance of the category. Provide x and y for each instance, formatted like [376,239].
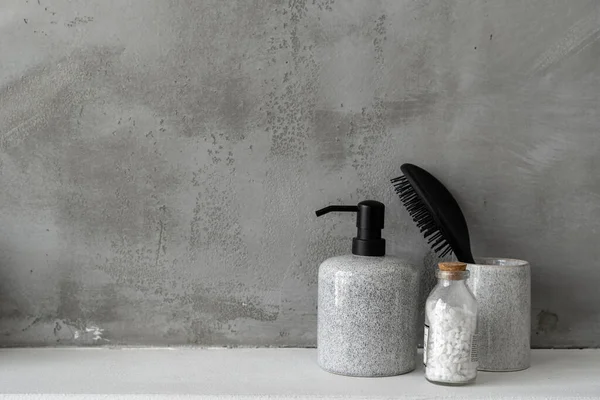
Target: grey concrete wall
[160,161]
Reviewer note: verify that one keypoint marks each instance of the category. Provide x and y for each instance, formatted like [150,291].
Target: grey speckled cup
[502,287]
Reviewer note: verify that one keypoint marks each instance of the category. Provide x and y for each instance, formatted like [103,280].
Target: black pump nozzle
[329,209]
[369,221]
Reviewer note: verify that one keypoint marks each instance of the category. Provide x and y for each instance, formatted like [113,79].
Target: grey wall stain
[69,294]
[226,309]
[159,182]
[332,129]
[546,322]
[419,104]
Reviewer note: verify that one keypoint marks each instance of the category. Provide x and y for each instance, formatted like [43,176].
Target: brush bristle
[421,216]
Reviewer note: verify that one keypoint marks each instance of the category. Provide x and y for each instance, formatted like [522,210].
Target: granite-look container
[503,290]
[367,316]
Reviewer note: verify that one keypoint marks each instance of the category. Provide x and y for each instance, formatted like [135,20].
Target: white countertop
[186,373]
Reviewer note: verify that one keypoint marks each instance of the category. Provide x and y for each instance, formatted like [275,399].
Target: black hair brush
[435,212]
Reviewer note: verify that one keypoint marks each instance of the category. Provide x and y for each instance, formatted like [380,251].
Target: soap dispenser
[367,307]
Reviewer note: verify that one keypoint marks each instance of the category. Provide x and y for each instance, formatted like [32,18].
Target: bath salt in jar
[450,348]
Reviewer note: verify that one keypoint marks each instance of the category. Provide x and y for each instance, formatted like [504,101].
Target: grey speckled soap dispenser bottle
[367,316]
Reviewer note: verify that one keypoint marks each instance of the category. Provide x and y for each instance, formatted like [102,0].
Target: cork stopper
[453,271]
[452,266]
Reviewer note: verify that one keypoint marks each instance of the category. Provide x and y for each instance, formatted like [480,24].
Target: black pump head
[370,215]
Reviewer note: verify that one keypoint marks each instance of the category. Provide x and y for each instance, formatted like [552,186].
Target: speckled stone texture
[503,291]
[367,316]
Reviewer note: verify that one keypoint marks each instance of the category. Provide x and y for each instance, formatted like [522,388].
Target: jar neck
[452,282]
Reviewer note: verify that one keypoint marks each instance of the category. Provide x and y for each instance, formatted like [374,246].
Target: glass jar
[450,348]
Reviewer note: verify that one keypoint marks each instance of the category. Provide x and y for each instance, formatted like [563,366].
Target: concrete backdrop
[160,161]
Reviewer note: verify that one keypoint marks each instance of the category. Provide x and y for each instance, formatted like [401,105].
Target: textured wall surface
[160,160]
